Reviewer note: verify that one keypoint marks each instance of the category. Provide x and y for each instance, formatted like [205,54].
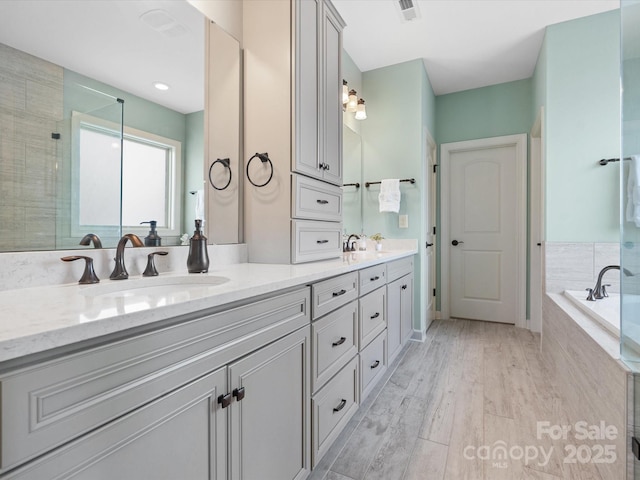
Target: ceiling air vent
[408,10]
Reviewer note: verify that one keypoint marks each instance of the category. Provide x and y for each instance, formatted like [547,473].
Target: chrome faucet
[599,291]
[120,272]
[91,238]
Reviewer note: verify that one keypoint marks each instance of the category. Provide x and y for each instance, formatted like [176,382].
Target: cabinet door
[394,318]
[406,307]
[307,90]
[270,437]
[331,146]
[180,435]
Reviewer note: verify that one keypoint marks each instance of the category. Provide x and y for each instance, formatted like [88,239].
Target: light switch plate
[403,221]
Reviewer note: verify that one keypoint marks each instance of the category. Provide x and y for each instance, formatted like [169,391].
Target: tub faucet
[120,272]
[599,291]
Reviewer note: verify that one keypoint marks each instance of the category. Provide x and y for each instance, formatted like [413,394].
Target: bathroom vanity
[250,371]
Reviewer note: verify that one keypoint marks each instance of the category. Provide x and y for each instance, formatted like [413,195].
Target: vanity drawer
[55,401]
[316,200]
[399,268]
[333,293]
[373,363]
[332,407]
[313,241]
[372,316]
[334,341]
[372,278]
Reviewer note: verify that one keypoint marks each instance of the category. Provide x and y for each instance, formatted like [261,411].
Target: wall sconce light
[361,112]
[351,102]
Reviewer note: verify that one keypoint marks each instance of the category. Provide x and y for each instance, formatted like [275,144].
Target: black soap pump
[153,239]
[198,259]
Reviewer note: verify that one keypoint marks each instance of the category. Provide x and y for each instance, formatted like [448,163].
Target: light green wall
[582,110]
[394,146]
[503,109]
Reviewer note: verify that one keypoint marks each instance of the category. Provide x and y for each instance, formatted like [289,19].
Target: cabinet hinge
[635,447]
[434,292]
[435,166]
[434,230]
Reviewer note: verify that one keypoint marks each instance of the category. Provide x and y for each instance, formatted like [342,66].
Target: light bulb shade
[352,104]
[345,92]
[361,111]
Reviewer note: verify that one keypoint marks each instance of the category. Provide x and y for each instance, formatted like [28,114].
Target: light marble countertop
[41,318]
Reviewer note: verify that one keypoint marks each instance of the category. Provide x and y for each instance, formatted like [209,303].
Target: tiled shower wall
[575,266]
[31,102]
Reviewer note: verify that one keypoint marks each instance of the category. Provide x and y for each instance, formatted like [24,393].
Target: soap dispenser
[153,239]
[198,259]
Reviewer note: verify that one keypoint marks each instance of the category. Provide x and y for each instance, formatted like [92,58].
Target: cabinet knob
[375,364]
[339,342]
[238,393]
[224,400]
[340,406]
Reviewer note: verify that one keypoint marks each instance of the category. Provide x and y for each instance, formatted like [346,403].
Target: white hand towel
[389,196]
[200,205]
[633,191]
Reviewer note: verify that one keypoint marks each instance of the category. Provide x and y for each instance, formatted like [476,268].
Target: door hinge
[434,292]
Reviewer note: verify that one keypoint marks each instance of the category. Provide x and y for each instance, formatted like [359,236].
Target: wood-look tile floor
[448,403]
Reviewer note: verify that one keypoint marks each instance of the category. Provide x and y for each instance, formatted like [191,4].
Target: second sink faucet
[120,272]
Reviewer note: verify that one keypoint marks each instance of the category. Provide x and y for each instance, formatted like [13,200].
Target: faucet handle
[604,290]
[151,271]
[590,295]
[89,276]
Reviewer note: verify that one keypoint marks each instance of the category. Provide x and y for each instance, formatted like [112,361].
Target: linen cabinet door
[182,435]
[406,307]
[270,434]
[394,318]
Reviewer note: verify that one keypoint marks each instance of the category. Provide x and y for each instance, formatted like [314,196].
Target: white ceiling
[464,44]
[106,40]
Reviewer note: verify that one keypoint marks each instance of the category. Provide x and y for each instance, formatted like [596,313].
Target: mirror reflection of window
[150,177]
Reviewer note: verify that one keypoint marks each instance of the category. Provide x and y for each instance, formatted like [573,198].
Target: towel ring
[264,158]
[226,163]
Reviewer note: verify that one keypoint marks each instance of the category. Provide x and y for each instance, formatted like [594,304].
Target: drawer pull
[322,241]
[404,287]
[373,279]
[375,315]
[339,342]
[343,402]
[224,400]
[238,393]
[322,202]
[375,364]
[341,292]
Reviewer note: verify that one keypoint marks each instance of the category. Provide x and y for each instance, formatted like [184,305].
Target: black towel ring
[227,164]
[264,158]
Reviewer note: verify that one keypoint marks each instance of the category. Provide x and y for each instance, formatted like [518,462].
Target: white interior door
[486,212]
[430,246]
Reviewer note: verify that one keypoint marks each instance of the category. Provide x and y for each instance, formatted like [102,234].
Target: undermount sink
[153,286]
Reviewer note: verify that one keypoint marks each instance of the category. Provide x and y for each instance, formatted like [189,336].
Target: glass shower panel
[89,168]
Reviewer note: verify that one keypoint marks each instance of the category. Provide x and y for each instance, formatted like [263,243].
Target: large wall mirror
[90,140]
[353,186]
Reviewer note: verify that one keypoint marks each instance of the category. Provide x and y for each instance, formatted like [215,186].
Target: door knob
[456,242]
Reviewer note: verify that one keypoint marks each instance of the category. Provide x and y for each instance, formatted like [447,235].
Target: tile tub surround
[35,268]
[588,373]
[41,318]
[575,266]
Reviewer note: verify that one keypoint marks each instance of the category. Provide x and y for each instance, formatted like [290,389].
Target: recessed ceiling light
[161,86]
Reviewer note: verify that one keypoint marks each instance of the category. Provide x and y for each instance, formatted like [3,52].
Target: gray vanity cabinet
[216,395]
[399,305]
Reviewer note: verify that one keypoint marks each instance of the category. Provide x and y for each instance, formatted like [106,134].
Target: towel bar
[409,180]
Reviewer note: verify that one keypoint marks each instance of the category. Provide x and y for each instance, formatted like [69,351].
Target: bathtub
[605,311]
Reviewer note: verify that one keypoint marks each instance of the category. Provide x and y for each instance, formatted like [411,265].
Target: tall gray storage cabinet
[293,112]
